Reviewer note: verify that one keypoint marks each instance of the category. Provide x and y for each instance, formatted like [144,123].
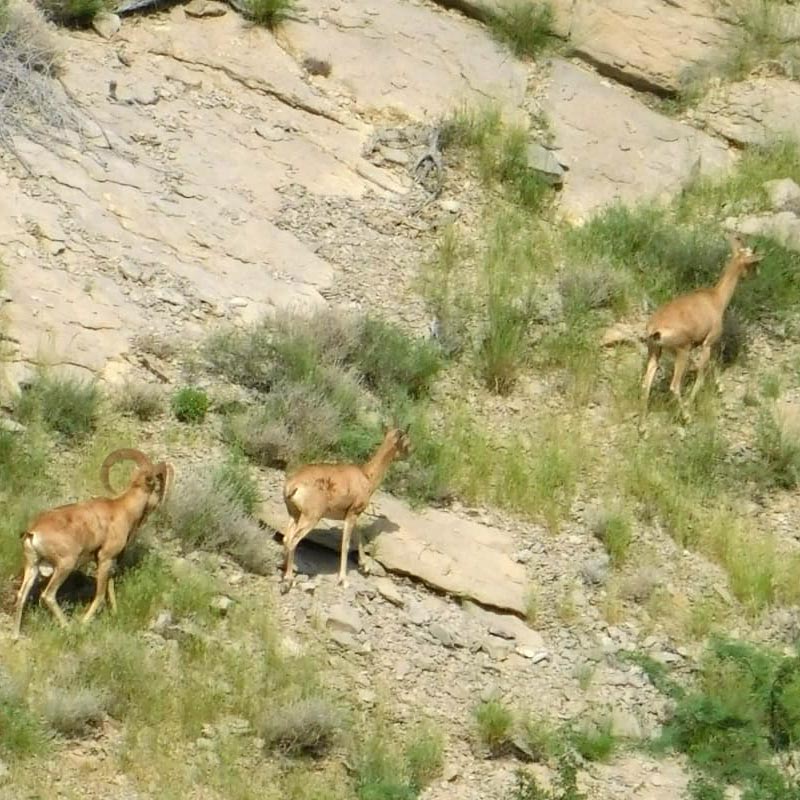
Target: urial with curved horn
[62,539]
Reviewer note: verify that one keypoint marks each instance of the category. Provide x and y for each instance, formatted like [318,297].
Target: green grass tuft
[72,13]
[269,13]
[526,27]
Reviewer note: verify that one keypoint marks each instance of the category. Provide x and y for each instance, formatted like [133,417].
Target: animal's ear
[406,430]
[736,242]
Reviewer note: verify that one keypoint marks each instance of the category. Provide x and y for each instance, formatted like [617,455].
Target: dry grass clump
[212,508]
[32,104]
[74,712]
[307,727]
[145,401]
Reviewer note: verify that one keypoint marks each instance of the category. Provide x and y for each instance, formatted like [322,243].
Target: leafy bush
[269,13]
[65,405]
[525,26]
[78,13]
[190,404]
[305,727]
[744,707]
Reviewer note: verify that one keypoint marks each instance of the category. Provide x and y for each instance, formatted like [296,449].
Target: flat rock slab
[616,148]
[396,56]
[753,111]
[648,44]
[451,554]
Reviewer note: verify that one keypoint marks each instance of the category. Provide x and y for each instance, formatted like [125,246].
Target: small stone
[239,302]
[367,697]
[625,725]
[11,425]
[344,618]
[418,614]
[205,8]
[395,155]
[345,640]
[222,604]
[388,591]
[532,653]
[595,571]
[442,634]
[171,296]
[106,24]
[450,773]
[451,206]
[497,649]
[545,163]
[163,621]
[783,194]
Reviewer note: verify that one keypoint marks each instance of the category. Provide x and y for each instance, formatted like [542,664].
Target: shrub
[145,401]
[305,727]
[424,755]
[72,12]
[190,404]
[74,712]
[211,508]
[594,740]
[501,152]
[495,725]
[65,405]
[525,26]
[269,13]
[21,732]
[390,362]
[616,533]
[381,771]
[565,785]
[777,462]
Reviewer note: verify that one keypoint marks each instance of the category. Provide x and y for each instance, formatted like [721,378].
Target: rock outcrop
[615,147]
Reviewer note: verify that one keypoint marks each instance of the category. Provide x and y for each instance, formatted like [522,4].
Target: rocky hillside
[537,569]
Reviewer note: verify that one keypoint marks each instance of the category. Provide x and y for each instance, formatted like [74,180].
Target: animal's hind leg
[28,580]
[678,371]
[298,531]
[60,574]
[702,367]
[650,373]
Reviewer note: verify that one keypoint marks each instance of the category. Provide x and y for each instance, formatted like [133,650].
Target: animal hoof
[285,586]
[344,583]
[365,567]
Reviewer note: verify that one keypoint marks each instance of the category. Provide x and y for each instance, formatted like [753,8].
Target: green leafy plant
[190,404]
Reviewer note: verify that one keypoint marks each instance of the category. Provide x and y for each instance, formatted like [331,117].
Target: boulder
[753,111]
[783,226]
[454,555]
[106,24]
[618,149]
[784,194]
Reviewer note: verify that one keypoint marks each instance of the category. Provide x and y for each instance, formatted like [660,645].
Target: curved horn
[125,454]
[166,472]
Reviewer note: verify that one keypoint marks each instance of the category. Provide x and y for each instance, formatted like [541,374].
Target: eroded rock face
[412,59]
[647,44]
[616,148]
[753,111]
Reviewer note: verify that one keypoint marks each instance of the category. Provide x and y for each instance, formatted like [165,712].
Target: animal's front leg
[103,576]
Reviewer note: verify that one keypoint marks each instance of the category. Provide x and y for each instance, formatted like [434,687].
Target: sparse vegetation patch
[64,405]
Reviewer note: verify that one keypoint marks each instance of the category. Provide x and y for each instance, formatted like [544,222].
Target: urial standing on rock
[63,539]
[336,491]
[693,320]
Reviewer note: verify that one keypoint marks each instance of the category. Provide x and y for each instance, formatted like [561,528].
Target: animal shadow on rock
[315,558]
